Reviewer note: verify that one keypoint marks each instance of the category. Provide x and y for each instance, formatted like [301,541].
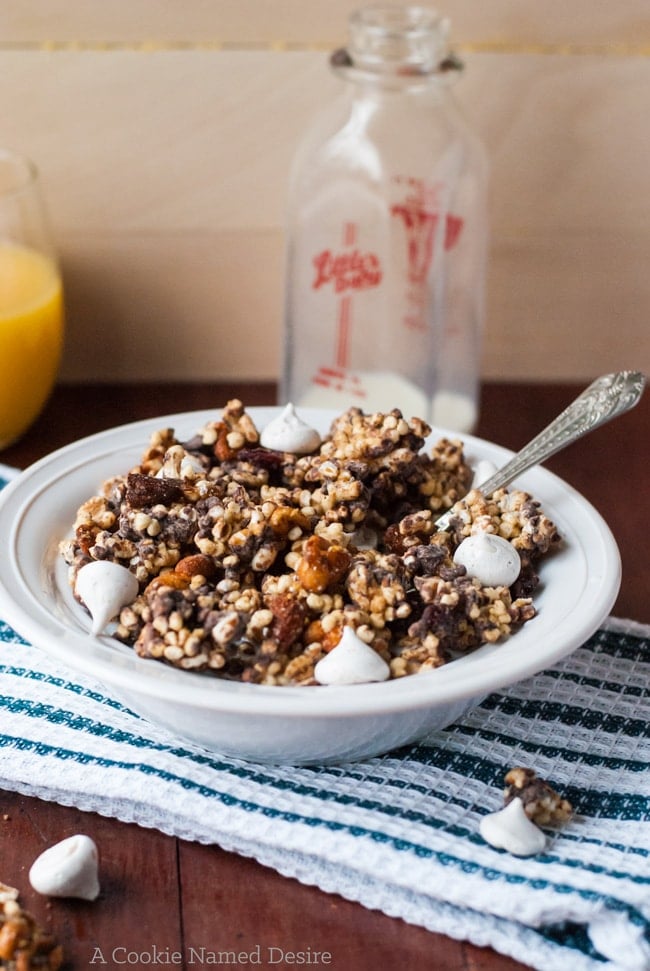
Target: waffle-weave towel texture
[399,833]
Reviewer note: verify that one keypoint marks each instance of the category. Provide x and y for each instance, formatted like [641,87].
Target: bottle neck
[401,47]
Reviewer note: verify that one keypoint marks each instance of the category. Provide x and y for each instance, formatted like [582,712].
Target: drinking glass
[31,299]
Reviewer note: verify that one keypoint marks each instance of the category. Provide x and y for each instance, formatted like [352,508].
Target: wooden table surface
[162,896]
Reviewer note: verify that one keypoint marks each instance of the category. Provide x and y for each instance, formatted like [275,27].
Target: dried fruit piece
[288,619]
[261,458]
[148,490]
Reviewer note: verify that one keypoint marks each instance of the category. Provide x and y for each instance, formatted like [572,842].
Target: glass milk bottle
[386,234]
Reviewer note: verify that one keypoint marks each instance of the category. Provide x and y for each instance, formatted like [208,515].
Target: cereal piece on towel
[541,802]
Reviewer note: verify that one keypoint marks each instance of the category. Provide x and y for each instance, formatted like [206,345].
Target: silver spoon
[604,399]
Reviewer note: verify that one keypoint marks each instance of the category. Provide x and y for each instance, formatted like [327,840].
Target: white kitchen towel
[399,833]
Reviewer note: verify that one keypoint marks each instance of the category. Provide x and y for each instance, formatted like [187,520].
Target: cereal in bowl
[252,561]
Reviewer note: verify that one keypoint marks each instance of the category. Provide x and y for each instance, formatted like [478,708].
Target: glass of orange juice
[31,299]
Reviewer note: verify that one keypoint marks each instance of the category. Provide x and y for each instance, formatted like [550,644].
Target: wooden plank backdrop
[164,133]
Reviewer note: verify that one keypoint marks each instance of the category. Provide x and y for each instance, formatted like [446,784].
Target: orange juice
[31,336]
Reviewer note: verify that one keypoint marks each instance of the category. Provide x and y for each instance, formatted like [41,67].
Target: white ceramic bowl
[272,724]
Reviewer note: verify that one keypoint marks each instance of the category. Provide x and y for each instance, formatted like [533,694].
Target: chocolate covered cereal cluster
[252,560]
[24,944]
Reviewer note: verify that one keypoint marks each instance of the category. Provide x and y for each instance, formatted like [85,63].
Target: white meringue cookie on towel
[510,829]
[352,661]
[105,587]
[67,869]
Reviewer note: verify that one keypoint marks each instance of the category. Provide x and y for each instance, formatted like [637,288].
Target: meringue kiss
[105,587]
[510,829]
[67,869]
[491,559]
[289,433]
[352,661]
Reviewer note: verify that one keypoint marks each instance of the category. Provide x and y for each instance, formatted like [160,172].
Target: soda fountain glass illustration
[31,299]
[386,232]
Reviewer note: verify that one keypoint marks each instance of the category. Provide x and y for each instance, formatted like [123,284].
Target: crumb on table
[24,945]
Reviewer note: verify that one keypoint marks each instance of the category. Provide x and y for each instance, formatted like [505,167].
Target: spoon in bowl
[605,398]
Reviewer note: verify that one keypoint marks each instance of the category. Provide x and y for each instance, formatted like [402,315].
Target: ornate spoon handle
[604,399]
